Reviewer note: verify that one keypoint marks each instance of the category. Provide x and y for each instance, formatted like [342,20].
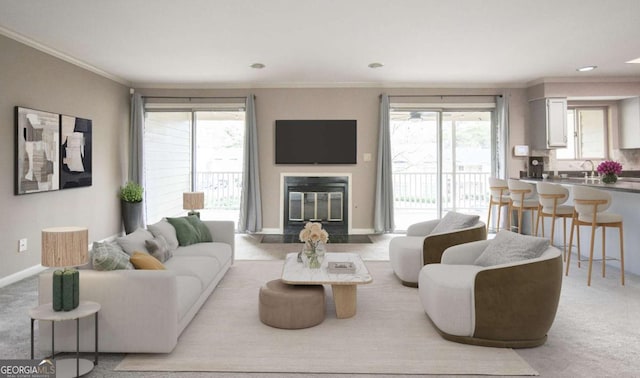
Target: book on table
[341,267]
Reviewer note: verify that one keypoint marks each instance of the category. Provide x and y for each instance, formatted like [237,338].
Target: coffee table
[343,285]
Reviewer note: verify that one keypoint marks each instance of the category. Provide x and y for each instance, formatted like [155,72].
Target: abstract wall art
[53,151]
[75,152]
[37,151]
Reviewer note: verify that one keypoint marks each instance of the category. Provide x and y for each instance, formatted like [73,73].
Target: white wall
[33,79]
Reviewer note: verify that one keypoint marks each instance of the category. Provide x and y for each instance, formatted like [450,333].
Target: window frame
[577,135]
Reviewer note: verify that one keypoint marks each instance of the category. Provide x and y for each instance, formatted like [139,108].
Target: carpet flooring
[390,334]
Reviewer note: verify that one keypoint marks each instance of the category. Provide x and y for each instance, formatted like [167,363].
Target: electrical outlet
[22,245]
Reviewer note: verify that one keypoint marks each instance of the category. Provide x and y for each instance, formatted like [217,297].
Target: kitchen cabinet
[629,123]
[548,126]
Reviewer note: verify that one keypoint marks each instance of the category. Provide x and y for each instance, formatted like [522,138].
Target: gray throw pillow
[455,221]
[109,256]
[135,241]
[159,248]
[167,231]
[509,247]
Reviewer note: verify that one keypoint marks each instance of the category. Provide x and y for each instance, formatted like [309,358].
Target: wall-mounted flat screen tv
[316,142]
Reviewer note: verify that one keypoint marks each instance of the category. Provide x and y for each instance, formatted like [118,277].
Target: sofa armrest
[517,302]
[223,232]
[435,245]
[464,254]
[422,228]
[138,309]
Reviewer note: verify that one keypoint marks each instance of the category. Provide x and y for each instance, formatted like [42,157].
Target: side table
[65,367]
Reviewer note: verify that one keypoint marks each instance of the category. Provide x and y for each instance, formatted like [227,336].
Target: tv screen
[316,142]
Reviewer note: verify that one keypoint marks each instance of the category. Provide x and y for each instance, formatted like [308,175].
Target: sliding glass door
[193,150]
[441,162]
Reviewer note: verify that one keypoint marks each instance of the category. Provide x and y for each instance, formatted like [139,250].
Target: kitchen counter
[624,184]
[625,201]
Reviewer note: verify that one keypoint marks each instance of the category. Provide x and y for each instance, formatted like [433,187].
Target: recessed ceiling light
[586,68]
[375,65]
[637,60]
[257,66]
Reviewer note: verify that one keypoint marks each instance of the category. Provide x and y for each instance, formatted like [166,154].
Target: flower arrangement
[313,236]
[610,171]
[609,167]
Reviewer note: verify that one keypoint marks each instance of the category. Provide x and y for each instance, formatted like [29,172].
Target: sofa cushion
[205,268]
[455,221]
[189,290]
[141,260]
[159,248]
[509,247]
[186,233]
[109,256]
[166,230]
[219,251]
[134,241]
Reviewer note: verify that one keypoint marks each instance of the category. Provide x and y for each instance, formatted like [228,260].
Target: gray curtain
[250,201]
[502,136]
[136,150]
[383,211]
[136,135]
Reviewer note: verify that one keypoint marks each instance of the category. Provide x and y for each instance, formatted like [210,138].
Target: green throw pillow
[204,235]
[109,256]
[186,233]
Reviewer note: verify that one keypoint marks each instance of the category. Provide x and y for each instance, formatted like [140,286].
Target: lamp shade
[65,246]
[193,200]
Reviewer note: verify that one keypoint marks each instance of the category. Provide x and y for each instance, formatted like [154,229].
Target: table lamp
[193,201]
[65,247]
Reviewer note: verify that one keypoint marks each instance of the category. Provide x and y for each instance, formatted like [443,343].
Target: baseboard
[15,277]
[355,231]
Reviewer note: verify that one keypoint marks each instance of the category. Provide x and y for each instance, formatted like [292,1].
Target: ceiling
[430,43]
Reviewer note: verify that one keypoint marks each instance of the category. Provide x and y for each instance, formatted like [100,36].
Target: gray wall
[33,79]
[361,104]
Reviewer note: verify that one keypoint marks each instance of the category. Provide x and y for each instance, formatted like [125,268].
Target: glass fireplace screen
[315,206]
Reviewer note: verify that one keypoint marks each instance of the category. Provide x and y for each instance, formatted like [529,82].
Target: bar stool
[522,199]
[590,205]
[551,198]
[499,197]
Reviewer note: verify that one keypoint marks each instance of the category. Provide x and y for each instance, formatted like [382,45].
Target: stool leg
[532,210]
[553,227]
[604,236]
[621,254]
[538,223]
[520,219]
[593,237]
[489,215]
[564,238]
[573,221]
[578,235]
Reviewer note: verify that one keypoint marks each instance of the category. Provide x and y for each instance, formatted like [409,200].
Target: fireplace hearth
[321,199]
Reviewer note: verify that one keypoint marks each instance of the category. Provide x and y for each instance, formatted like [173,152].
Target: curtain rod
[442,96]
[198,97]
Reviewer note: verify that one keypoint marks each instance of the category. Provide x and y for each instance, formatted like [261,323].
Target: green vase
[609,178]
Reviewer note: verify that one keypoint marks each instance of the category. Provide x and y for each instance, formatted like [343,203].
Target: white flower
[313,233]
[304,235]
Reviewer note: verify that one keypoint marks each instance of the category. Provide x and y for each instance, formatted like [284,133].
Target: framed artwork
[53,151]
[37,151]
[75,152]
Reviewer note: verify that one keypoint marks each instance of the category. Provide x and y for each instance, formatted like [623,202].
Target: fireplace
[322,199]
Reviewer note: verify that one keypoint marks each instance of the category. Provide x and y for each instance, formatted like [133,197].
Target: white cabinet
[548,126]
[629,123]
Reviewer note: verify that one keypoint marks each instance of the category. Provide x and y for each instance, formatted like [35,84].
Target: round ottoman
[291,306]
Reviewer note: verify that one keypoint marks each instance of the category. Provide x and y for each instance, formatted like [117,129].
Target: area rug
[333,239]
[390,334]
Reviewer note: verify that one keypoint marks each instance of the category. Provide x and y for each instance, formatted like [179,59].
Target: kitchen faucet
[593,172]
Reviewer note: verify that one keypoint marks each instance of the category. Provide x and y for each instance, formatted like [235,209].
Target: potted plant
[131,205]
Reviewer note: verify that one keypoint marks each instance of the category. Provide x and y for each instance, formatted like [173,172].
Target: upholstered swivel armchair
[422,246]
[509,305]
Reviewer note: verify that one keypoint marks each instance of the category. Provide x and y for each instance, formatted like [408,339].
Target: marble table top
[296,273]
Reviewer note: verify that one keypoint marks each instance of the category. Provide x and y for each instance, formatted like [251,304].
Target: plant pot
[610,178]
[131,216]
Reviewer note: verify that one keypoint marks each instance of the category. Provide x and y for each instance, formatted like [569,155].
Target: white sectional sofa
[144,311]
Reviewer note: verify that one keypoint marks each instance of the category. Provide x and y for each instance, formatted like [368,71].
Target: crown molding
[589,80]
[60,55]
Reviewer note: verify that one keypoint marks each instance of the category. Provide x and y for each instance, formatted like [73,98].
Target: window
[193,150]
[586,131]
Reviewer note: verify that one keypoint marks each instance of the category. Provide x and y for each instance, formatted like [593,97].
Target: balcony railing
[462,190]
